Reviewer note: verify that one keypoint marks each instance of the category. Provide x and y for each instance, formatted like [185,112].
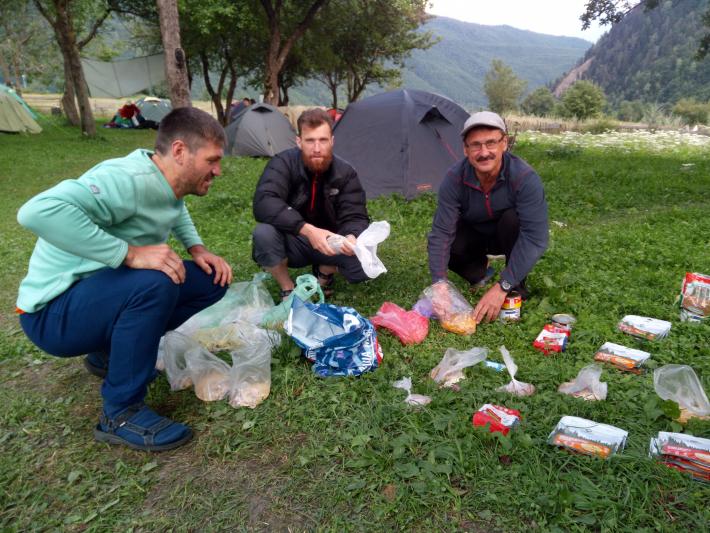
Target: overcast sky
[554,17]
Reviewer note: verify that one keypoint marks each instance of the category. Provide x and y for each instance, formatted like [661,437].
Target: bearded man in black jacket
[305,197]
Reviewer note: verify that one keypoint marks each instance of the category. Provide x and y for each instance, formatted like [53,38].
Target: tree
[691,111]
[583,100]
[502,87]
[287,21]
[65,16]
[358,43]
[540,102]
[612,11]
[175,60]
[631,111]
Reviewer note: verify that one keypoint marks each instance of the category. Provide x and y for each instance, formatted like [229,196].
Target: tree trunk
[69,98]
[66,39]
[215,96]
[175,61]
[271,83]
[3,69]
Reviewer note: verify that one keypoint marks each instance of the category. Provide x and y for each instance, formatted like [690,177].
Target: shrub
[583,100]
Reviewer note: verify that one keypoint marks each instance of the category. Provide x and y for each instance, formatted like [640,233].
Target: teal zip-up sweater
[87,224]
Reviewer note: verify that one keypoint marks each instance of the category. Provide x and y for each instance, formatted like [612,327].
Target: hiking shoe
[488,276]
[141,428]
[326,281]
[97,364]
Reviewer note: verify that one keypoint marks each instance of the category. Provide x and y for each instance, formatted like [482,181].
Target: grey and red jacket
[285,193]
[461,199]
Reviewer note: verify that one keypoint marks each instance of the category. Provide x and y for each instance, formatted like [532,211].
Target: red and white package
[695,297]
[497,418]
[552,339]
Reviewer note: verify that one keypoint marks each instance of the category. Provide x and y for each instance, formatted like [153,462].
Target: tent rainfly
[259,130]
[153,108]
[401,141]
[14,116]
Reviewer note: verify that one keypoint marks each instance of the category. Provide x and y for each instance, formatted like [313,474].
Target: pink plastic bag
[409,326]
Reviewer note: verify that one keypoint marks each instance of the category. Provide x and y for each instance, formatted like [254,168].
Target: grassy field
[348,454]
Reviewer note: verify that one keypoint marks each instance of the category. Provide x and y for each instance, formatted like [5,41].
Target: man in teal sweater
[103,281]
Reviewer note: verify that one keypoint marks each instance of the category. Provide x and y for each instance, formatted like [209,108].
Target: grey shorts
[271,247]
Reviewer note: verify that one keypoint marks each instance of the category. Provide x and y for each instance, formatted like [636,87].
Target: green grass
[348,454]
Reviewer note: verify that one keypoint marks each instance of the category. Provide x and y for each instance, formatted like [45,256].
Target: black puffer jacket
[283,194]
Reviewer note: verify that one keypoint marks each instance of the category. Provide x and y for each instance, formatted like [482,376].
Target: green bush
[583,100]
[691,111]
[540,102]
[600,125]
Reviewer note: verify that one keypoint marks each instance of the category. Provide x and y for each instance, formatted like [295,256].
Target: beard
[318,166]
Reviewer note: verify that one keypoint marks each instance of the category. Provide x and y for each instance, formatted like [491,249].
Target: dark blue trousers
[123,312]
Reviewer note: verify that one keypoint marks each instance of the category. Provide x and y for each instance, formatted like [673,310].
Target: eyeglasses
[490,144]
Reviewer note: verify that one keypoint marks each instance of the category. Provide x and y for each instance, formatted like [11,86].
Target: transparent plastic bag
[307,287]
[366,248]
[518,388]
[450,307]
[188,363]
[250,377]
[247,300]
[450,368]
[586,385]
[336,242]
[680,384]
[409,326]
[412,399]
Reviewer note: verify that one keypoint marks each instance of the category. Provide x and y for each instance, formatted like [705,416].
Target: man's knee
[154,285]
[509,221]
[267,244]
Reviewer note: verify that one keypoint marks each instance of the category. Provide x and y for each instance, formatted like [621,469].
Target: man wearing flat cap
[490,203]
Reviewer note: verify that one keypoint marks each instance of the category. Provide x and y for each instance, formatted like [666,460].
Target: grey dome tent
[259,130]
[15,116]
[401,141]
[153,108]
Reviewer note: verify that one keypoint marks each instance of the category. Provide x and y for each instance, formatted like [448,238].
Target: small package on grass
[408,326]
[499,419]
[695,297]
[412,399]
[621,357]
[586,385]
[451,308]
[682,452]
[518,388]
[338,340]
[644,327]
[680,384]
[552,338]
[366,248]
[450,368]
[588,437]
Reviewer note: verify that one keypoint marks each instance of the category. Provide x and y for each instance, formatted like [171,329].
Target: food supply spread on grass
[644,327]
[408,326]
[686,453]
[695,297]
[586,385]
[621,357]
[588,437]
[450,369]
[497,417]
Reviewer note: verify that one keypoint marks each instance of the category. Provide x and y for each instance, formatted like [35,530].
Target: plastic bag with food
[588,437]
[450,307]
[412,399]
[250,377]
[408,326]
[695,297]
[518,388]
[450,368]
[247,300]
[366,248]
[586,385]
[680,383]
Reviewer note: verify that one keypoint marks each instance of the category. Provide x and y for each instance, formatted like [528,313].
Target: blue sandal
[141,428]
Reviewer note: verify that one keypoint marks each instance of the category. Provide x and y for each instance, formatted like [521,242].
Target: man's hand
[156,257]
[348,245]
[318,238]
[210,262]
[490,304]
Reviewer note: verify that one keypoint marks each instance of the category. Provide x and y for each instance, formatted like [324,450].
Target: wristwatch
[505,285]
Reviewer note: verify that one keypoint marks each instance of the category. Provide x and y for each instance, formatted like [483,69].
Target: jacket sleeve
[271,198]
[533,236]
[185,231]
[351,208]
[443,228]
[72,217]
